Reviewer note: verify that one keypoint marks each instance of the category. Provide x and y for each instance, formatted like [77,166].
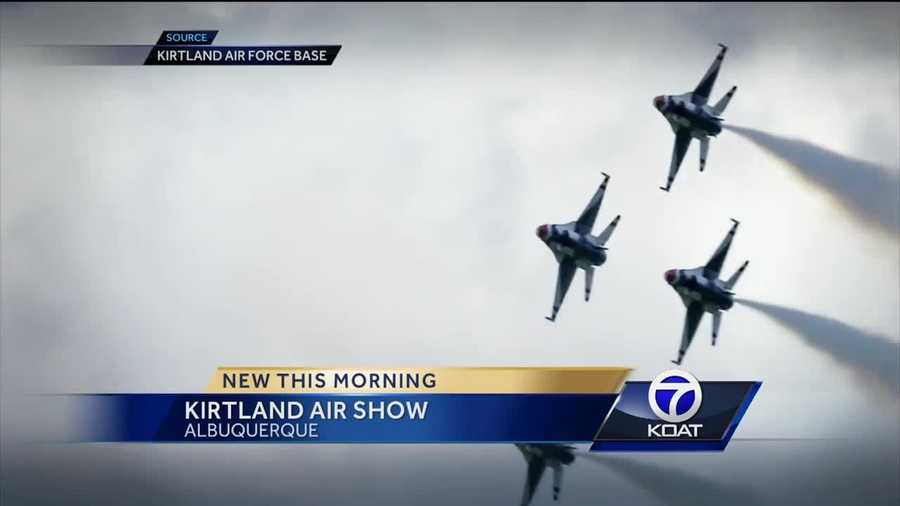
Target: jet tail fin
[588,281]
[720,106]
[604,236]
[557,481]
[717,321]
[736,276]
[704,151]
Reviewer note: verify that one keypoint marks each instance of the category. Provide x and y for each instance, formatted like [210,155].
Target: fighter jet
[575,247]
[691,118]
[538,457]
[701,290]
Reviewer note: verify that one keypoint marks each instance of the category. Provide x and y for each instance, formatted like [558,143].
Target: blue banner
[343,418]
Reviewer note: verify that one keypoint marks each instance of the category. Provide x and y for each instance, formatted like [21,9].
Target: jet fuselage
[550,452]
[692,285]
[569,243]
[680,112]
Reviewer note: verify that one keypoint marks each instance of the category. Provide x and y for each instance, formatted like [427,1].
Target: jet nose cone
[542,232]
[670,276]
[659,102]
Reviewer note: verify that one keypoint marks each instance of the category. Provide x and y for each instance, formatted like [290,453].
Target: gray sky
[159,222]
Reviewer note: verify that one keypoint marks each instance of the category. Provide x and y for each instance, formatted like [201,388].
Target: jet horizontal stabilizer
[736,276]
[604,236]
[720,106]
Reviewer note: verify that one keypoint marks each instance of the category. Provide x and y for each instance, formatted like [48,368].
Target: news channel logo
[675,397]
[675,412]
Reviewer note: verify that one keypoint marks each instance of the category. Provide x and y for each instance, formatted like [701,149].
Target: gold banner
[439,380]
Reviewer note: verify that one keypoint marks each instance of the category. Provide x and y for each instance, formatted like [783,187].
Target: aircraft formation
[575,247]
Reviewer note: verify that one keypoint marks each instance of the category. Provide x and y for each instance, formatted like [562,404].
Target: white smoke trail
[868,191]
[873,357]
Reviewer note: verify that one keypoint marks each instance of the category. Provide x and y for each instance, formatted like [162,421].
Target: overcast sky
[160,222]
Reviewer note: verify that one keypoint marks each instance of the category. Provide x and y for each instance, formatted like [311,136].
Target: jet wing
[682,141]
[536,468]
[704,89]
[585,222]
[714,266]
[563,280]
[691,322]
